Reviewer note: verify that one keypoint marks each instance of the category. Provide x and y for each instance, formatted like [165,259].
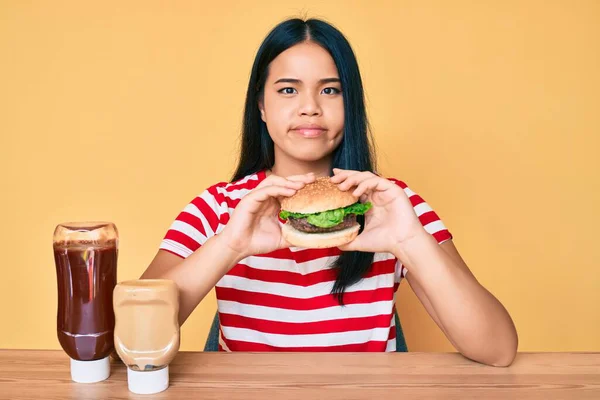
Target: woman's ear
[261,107]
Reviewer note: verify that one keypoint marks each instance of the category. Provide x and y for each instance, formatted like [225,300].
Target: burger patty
[302,225]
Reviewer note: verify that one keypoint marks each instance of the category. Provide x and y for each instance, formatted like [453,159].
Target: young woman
[305,118]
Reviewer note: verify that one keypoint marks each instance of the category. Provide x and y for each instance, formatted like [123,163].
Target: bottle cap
[148,382]
[90,371]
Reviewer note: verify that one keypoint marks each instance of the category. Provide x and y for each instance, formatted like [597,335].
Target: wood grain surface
[39,374]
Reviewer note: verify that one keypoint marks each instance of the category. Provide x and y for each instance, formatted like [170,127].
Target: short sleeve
[429,219]
[201,219]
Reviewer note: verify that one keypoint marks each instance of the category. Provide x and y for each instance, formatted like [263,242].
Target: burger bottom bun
[318,240]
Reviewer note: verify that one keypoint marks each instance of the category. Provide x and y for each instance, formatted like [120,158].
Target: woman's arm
[470,316]
[472,319]
[252,229]
[196,275]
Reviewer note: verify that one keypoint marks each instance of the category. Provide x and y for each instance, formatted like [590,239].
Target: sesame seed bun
[321,195]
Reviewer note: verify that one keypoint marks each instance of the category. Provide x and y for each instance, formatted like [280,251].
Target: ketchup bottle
[85,255]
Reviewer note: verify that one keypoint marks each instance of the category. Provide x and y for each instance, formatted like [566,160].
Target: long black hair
[355,152]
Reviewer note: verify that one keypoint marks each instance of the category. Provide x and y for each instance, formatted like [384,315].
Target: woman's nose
[309,106]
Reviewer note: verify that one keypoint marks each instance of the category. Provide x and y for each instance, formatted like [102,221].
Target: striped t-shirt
[282,301]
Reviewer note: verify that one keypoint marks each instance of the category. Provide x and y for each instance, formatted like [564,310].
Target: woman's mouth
[309,130]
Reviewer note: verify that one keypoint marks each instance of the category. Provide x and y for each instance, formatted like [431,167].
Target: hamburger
[320,215]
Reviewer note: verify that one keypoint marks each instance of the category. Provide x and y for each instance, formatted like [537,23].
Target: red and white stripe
[282,301]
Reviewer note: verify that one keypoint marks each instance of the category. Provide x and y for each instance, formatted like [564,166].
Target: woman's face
[303,105]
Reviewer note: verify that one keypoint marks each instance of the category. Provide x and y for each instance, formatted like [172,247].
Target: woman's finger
[306,178]
[274,180]
[271,180]
[355,180]
[353,245]
[273,191]
[341,174]
[268,181]
[281,181]
[366,186]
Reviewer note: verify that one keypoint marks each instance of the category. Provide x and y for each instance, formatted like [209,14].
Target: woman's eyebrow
[330,80]
[298,81]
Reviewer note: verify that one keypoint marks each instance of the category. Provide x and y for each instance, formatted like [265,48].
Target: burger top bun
[321,195]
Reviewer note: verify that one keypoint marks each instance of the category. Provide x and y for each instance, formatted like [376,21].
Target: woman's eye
[331,90]
[287,90]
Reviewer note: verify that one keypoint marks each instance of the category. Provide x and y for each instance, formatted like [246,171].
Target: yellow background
[124,111]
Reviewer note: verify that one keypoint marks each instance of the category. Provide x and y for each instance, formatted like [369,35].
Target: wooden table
[33,374]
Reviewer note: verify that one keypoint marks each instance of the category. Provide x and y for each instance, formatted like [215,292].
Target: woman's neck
[287,167]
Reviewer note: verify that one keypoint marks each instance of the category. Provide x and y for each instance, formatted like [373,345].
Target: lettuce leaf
[328,219]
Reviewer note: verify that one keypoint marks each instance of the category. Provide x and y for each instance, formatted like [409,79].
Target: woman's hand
[254,227]
[392,220]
